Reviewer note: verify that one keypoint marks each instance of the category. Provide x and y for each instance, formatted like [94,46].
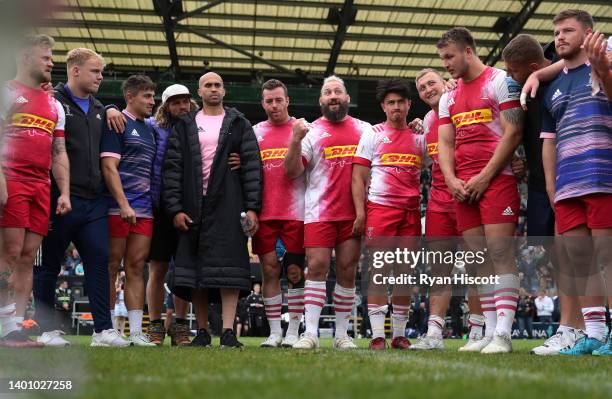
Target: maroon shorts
[592,210]
[28,206]
[291,233]
[119,228]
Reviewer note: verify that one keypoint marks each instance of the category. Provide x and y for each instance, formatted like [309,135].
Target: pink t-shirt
[209,127]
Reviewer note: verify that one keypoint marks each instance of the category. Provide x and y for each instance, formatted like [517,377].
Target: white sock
[10,324]
[595,322]
[343,306]
[315,297]
[113,319]
[564,329]
[377,315]
[399,318]
[506,298]
[435,326]
[295,303]
[135,319]
[273,314]
[476,323]
[7,322]
[487,304]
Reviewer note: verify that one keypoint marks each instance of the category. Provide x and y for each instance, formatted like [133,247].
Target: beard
[41,76]
[568,53]
[335,116]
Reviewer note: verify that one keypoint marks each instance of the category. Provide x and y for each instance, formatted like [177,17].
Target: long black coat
[213,253]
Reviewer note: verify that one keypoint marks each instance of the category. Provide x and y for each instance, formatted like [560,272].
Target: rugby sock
[295,303]
[315,296]
[377,315]
[595,322]
[435,326]
[399,318]
[476,323]
[135,319]
[273,314]
[7,323]
[564,329]
[506,298]
[343,305]
[10,324]
[487,304]
[113,320]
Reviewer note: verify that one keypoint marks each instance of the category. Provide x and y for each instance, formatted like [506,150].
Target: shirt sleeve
[549,130]
[506,91]
[5,103]
[365,149]
[443,111]
[421,142]
[60,126]
[111,143]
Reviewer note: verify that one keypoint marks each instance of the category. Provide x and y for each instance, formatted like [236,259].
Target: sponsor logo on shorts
[274,153]
[339,151]
[508,212]
[476,116]
[432,149]
[34,122]
[400,159]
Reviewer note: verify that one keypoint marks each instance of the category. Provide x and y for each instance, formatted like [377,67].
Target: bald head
[211,89]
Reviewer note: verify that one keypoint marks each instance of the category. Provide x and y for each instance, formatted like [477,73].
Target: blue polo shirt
[135,148]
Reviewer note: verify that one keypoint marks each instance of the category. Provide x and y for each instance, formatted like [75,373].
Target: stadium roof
[361,39]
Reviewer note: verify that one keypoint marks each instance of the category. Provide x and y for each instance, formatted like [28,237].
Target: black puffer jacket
[213,253]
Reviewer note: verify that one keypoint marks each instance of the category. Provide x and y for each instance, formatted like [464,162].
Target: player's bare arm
[358,189]
[512,121]
[446,157]
[110,170]
[293,162]
[61,172]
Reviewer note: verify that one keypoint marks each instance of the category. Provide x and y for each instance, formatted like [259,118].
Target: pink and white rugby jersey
[440,198]
[282,197]
[327,154]
[395,157]
[474,109]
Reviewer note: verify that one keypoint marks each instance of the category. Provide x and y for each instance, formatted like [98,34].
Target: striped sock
[487,304]
[377,314]
[595,322]
[476,323]
[399,318]
[343,305]
[273,313]
[295,302]
[435,326]
[506,298]
[315,296]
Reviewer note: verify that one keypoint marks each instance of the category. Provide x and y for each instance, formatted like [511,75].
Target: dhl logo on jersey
[339,151]
[273,153]
[476,116]
[400,159]
[432,149]
[33,121]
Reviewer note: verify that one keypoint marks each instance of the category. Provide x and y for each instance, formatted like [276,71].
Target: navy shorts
[540,216]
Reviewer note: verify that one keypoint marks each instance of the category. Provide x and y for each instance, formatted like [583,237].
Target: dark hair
[523,49]
[462,37]
[137,83]
[579,15]
[274,84]
[395,85]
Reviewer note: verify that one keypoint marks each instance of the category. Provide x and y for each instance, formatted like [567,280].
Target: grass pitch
[290,374]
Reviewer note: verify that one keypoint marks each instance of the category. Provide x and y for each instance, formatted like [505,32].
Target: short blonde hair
[424,72]
[333,78]
[31,41]
[80,56]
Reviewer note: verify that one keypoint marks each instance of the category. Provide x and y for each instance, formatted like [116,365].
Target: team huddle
[184,188]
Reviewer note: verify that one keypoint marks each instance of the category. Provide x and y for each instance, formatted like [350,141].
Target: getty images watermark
[401,258]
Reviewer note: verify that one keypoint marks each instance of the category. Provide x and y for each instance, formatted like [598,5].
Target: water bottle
[246,224]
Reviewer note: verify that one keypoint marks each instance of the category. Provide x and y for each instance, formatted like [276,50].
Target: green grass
[284,373]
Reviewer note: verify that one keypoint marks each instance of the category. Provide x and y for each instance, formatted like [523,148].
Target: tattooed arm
[61,172]
[512,121]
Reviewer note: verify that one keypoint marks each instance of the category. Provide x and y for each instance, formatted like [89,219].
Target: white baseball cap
[175,90]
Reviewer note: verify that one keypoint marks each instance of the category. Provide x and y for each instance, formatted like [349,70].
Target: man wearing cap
[176,101]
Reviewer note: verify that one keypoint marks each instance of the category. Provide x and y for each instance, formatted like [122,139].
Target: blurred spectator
[256,312]
[242,317]
[544,306]
[63,305]
[121,312]
[524,313]
[79,270]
